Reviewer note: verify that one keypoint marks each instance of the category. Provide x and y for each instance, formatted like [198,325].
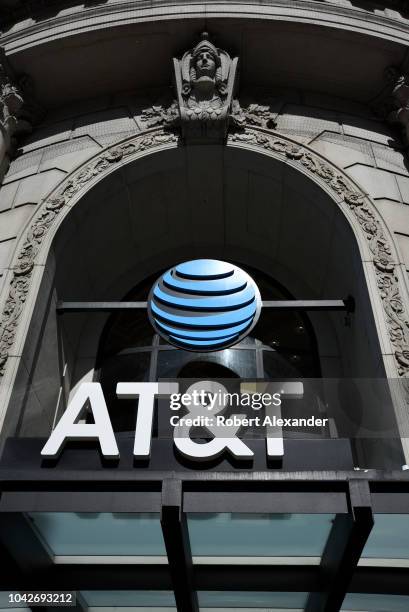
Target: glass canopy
[269,536]
[374,602]
[389,539]
[75,537]
[251,600]
[151,601]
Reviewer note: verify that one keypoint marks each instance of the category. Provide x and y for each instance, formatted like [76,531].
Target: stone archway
[377,251]
[354,203]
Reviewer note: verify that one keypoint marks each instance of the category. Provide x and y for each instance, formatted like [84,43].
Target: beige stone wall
[367,149]
[63,142]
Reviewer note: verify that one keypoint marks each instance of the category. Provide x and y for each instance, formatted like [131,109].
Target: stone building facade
[121,154]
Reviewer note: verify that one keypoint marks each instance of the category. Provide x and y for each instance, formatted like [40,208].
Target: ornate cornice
[360,18]
[343,189]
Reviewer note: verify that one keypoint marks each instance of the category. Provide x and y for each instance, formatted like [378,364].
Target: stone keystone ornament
[204,305]
[205,79]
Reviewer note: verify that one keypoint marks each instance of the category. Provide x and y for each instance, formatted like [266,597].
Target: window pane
[389,538]
[90,534]
[289,364]
[154,600]
[231,600]
[374,602]
[240,363]
[259,535]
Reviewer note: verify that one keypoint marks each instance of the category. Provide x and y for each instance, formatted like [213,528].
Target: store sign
[204,305]
[202,405]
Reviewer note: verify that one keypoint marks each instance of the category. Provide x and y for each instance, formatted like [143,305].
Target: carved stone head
[205,65]
[205,77]
[205,69]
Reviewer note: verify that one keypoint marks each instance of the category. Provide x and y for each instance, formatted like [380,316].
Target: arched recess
[209,216]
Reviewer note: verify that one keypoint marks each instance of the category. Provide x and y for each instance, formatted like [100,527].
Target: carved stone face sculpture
[205,65]
[205,78]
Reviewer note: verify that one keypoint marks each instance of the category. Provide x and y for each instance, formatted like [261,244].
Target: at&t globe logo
[204,305]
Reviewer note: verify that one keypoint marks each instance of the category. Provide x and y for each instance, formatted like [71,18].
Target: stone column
[11,102]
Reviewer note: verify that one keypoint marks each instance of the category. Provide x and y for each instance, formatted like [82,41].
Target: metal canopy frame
[352,496]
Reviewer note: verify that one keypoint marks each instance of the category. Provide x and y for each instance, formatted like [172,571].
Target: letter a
[68,429]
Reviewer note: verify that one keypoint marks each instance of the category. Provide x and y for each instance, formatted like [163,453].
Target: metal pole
[347,305]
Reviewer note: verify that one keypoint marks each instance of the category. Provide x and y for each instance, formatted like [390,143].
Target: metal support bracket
[176,536]
[343,549]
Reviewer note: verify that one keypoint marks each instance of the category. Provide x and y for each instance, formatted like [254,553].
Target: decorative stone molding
[342,187]
[360,17]
[259,115]
[165,113]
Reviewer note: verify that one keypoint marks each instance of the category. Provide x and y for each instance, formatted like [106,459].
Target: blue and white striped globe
[204,305]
